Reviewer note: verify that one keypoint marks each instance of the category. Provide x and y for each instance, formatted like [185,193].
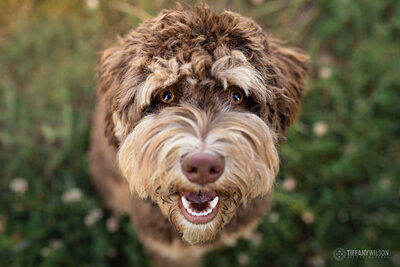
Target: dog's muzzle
[201,168]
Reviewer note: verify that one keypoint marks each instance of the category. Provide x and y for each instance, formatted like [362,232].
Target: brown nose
[203,168]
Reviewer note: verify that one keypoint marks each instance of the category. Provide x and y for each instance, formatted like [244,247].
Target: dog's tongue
[200,197]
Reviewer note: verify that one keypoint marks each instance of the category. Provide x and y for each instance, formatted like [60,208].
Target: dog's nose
[203,168]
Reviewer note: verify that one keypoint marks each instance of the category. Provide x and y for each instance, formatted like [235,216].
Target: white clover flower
[273,217]
[112,224]
[71,195]
[385,183]
[256,237]
[92,4]
[320,128]
[45,252]
[317,260]
[19,185]
[325,72]
[243,259]
[289,184]
[92,217]
[257,2]
[395,258]
[308,217]
[56,244]
[350,149]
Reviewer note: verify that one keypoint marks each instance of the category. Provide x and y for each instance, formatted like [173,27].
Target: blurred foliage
[339,179]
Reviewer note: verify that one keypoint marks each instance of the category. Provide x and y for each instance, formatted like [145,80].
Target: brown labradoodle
[193,106]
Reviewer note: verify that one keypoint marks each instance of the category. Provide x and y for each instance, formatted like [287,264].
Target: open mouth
[199,207]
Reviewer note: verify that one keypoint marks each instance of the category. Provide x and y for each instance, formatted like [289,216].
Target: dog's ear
[111,69]
[291,69]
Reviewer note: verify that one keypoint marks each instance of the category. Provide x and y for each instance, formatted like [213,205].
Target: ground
[338,186]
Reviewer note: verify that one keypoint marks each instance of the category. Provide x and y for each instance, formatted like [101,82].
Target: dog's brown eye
[166,96]
[237,97]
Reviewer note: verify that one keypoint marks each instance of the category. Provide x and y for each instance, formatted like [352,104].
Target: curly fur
[185,42]
[201,56]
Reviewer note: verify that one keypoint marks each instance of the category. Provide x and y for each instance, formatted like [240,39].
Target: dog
[193,105]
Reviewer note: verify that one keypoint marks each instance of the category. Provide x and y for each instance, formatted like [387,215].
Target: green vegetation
[339,182]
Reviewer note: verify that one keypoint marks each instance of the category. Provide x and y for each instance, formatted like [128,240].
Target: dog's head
[196,103]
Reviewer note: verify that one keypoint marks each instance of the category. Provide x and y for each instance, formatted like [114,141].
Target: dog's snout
[203,168]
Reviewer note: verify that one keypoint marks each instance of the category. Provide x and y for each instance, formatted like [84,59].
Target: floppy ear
[111,70]
[291,67]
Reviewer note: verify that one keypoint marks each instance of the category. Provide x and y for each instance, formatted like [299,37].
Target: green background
[339,179]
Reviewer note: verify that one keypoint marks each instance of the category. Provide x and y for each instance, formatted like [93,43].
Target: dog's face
[196,103]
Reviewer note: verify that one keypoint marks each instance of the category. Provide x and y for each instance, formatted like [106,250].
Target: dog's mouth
[199,207]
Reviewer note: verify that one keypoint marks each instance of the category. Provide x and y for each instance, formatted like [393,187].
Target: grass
[338,185]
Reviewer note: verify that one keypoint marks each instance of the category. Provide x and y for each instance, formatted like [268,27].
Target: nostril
[188,167]
[203,168]
[213,171]
[192,170]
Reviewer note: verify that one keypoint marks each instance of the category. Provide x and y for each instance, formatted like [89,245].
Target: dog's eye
[236,97]
[166,96]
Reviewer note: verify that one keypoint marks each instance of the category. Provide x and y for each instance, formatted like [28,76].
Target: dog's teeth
[191,212]
[185,203]
[214,203]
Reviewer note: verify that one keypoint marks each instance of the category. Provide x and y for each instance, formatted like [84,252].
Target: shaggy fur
[202,58]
